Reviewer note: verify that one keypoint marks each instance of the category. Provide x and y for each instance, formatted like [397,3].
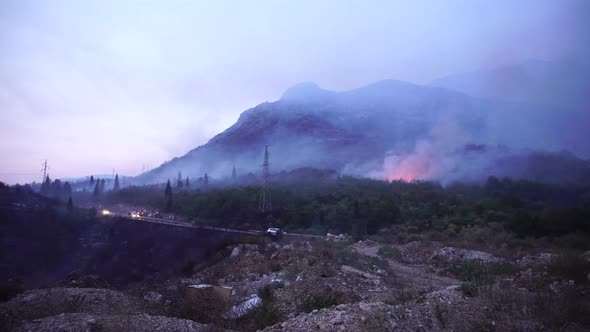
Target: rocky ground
[329,285]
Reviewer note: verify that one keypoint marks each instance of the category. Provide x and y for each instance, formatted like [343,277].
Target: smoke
[432,158]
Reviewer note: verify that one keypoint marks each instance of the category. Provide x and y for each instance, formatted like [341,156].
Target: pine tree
[187,184]
[179,181]
[116,187]
[234,176]
[206,179]
[96,191]
[56,188]
[70,205]
[168,196]
[91,179]
[168,191]
[102,186]
[46,186]
[67,188]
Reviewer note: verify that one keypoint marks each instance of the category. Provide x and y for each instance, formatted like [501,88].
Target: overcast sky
[99,85]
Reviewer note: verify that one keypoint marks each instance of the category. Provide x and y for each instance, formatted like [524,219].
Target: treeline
[364,206]
[56,188]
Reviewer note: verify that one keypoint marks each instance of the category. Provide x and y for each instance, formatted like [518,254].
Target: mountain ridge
[355,131]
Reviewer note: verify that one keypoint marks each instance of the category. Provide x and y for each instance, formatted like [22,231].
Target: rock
[364,306]
[337,321]
[337,238]
[235,252]
[350,269]
[152,297]
[251,247]
[243,308]
[542,259]
[450,254]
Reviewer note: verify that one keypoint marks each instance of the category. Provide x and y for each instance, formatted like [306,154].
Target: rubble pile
[537,261]
[451,254]
[418,252]
[338,238]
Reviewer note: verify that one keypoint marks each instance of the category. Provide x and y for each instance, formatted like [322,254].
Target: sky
[97,86]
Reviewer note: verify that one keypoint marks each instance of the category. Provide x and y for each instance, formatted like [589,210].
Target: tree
[234,176]
[91,179]
[116,187]
[206,180]
[187,184]
[46,186]
[56,188]
[102,186]
[67,188]
[70,205]
[168,191]
[96,191]
[179,180]
[168,196]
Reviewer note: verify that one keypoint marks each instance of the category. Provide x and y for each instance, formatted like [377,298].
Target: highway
[196,226]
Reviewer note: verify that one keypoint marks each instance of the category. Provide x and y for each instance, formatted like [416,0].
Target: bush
[440,314]
[266,293]
[570,267]
[469,289]
[266,315]
[319,301]
[391,252]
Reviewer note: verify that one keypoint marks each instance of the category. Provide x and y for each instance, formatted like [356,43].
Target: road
[196,226]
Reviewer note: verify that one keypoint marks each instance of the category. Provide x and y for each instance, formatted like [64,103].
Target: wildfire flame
[408,169]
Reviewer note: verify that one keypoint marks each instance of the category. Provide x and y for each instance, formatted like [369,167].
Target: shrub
[266,315]
[266,293]
[389,251]
[571,267]
[469,289]
[293,270]
[319,301]
[440,313]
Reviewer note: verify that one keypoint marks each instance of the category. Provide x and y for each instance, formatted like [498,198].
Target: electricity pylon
[265,200]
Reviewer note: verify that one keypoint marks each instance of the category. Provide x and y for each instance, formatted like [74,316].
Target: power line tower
[44,170]
[265,200]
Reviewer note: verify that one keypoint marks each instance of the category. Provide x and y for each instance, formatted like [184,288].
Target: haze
[103,85]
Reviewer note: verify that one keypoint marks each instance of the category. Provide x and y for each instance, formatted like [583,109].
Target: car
[274,232]
[134,214]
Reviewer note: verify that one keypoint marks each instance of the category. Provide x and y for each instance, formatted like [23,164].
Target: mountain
[549,97]
[388,129]
[563,83]
[346,131]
